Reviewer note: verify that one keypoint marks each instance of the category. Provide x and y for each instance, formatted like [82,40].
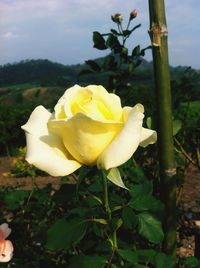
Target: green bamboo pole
[158,34]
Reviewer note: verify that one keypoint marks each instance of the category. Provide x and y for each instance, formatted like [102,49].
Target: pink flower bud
[133,14]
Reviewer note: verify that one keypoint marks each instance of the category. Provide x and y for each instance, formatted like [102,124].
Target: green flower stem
[108,210]
[115,239]
[106,202]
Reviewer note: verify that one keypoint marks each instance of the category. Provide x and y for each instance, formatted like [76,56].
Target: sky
[61,30]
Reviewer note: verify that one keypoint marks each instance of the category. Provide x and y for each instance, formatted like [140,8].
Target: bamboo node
[170,172]
[156,33]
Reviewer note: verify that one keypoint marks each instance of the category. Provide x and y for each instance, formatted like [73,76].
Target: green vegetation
[90,223]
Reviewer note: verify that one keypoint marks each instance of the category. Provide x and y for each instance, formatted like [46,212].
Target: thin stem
[129,21]
[115,239]
[106,202]
[108,210]
[121,31]
[124,40]
[182,150]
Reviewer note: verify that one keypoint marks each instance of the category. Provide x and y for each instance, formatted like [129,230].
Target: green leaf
[65,233]
[99,41]
[113,43]
[93,65]
[145,255]
[161,260]
[129,218]
[126,33]
[136,174]
[146,202]
[78,211]
[177,125]
[145,188]
[96,187]
[134,28]
[83,261]
[115,32]
[136,51]
[114,176]
[109,63]
[150,228]
[16,199]
[124,51]
[128,255]
[191,262]
[65,194]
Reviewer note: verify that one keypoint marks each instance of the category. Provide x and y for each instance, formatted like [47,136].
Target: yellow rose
[88,127]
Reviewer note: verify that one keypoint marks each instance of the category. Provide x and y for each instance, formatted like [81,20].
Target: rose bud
[117,18]
[133,14]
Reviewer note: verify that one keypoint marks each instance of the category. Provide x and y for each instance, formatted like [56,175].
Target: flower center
[88,104]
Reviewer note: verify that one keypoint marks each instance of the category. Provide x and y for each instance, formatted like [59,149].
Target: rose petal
[63,106]
[126,143]
[6,251]
[5,230]
[108,103]
[148,136]
[111,101]
[84,137]
[46,150]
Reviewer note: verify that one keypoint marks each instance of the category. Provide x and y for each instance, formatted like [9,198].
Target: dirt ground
[189,202]
[26,183]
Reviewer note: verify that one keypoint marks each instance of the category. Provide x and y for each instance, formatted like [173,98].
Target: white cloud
[9,35]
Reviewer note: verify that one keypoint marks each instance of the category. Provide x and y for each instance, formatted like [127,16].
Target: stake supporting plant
[158,34]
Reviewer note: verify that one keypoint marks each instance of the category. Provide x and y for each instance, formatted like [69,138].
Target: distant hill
[41,72]
[46,73]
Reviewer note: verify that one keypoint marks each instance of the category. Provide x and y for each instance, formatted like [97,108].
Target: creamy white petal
[148,136]
[46,150]
[6,251]
[63,107]
[126,143]
[37,122]
[110,100]
[5,229]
